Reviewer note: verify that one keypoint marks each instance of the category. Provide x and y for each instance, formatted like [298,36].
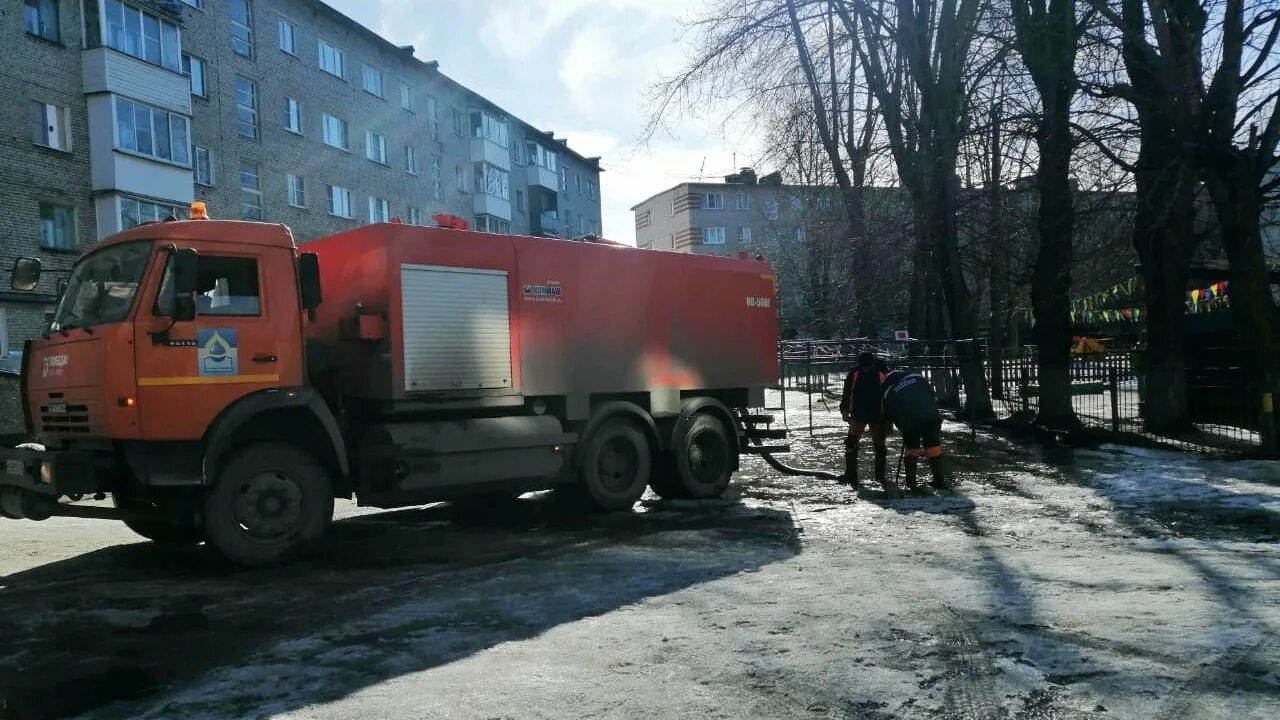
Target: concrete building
[124,111]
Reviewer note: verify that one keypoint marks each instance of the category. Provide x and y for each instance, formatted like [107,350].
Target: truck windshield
[102,286]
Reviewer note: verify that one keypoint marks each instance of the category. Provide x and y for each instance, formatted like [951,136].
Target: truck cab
[166,341]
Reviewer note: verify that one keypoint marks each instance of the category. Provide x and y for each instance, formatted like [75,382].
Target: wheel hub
[617,463]
[269,505]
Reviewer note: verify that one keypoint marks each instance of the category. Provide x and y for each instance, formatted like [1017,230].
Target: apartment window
[410,160]
[520,200]
[713,201]
[375,147]
[406,97]
[434,169]
[57,227]
[582,224]
[135,212]
[287,34]
[372,80]
[292,115]
[413,215]
[744,234]
[568,223]
[152,131]
[433,117]
[491,224]
[339,201]
[332,60]
[673,208]
[797,202]
[40,18]
[540,156]
[744,202]
[591,189]
[800,235]
[203,166]
[296,190]
[250,192]
[577,182]
[770,206]
[379,210]
[246,108]
[335,132]
[197,4]
[713,236]
[143,35]
[459,122]
[193,68]
[52,126]
[241,27]
[493,180]
[564,180]
[489,126]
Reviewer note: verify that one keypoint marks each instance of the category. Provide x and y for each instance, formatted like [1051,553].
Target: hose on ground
[782,467]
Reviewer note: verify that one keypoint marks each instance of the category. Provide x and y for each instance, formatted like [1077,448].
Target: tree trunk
[999,280]
[1051,277]
[1163,238]
[1253,309]
[959,301]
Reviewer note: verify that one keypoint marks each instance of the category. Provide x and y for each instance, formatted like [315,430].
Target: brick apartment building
[124,111]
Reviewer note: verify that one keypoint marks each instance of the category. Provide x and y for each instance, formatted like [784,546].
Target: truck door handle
[264,358]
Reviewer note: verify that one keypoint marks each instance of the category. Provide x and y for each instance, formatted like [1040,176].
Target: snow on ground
[1108,583]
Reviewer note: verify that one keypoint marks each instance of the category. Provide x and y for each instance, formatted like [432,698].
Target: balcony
[485,150]
[110,71]
[542,177]
[546,224]
[486,204]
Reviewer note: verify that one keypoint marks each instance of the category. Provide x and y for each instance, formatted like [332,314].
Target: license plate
[15,467]
[56,409]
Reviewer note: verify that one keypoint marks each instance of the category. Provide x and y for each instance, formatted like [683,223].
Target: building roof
[433,66]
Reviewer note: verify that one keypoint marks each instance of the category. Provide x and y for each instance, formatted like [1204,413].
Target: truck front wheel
[615,466]
[165,523]
[271,502]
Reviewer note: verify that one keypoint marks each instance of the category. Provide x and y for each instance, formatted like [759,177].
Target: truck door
[246,337]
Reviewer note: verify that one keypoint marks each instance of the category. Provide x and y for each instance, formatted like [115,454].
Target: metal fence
[1108,390]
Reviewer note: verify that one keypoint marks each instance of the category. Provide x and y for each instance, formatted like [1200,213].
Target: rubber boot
[940,481]
[911,463]
[882,462]
[850,476]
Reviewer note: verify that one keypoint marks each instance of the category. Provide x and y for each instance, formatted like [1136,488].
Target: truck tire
[664,479]
[615,465]
[703,459]
[269,504]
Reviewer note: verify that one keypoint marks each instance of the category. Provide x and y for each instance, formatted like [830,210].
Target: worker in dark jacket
[860,406]
[910,404]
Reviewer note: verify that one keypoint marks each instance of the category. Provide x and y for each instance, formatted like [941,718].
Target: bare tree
[1046,34]
[919,62]
[1238,166]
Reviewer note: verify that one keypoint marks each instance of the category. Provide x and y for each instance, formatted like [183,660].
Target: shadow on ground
[120,624]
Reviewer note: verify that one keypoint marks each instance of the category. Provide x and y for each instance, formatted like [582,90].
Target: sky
[581,68]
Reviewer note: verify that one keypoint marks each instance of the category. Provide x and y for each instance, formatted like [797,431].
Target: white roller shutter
[457,329]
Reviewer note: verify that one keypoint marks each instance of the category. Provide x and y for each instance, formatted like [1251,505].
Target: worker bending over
[861,407]
[910,404]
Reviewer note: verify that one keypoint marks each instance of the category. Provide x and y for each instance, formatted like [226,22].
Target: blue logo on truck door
[217,352]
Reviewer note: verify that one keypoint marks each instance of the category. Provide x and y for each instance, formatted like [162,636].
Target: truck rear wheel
[702,458]
[269,504]
[615,466]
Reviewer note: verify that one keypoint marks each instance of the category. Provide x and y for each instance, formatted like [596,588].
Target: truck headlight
[46,473]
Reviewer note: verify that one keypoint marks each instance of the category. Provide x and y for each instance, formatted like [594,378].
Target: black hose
[778,465]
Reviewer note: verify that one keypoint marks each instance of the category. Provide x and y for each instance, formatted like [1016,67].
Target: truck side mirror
[185,270]
[25,275]
[309,280]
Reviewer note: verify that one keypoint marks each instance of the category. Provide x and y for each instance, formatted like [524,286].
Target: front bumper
[52,473]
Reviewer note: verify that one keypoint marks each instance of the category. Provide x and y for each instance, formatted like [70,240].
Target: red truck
[193,372]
